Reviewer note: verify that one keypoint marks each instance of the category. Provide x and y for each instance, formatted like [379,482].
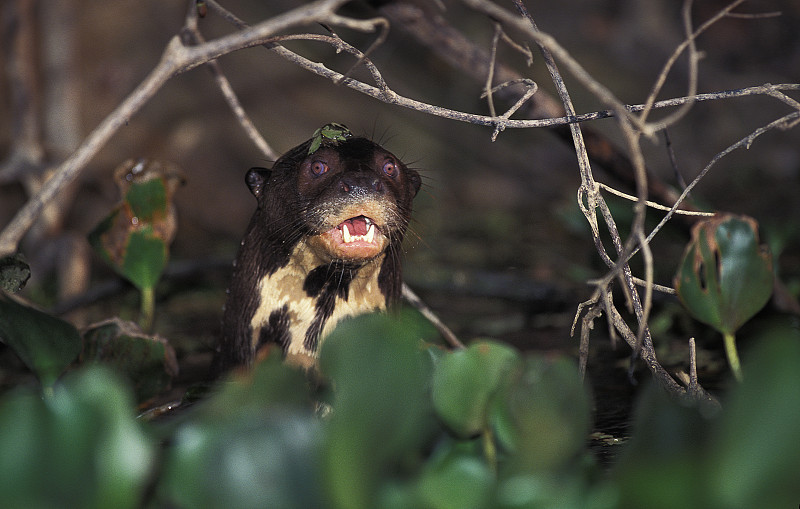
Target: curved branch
[175,60]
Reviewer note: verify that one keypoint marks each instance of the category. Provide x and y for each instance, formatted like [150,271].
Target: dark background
[498,246]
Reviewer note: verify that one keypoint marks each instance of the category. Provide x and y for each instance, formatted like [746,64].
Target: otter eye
[318,168]
[390,168]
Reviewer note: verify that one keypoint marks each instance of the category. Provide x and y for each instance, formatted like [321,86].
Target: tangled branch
[189,49]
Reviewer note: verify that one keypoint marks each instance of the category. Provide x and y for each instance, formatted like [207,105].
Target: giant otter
[323,244]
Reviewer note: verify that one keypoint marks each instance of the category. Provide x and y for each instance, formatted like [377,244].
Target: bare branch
[193,36]
[443,329]
[654,205]
[175,60]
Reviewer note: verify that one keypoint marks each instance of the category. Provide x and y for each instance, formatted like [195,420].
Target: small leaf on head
[329,135]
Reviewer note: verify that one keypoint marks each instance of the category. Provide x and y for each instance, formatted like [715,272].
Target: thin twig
[193,36]
[417,303]
[654,205]
[488,89]
[175,60]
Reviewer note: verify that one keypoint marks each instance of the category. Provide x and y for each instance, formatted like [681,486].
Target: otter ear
[416,181]
[256,179]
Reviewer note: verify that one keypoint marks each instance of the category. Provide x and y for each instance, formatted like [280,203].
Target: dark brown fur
[295,275]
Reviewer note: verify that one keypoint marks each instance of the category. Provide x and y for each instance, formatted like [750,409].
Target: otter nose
[360,183]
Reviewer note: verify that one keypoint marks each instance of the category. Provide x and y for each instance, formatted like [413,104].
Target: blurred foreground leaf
[541,417]
[266,459]
[754,458]
[746,456]
[465,381]
[79,447]
[382,414]
[456,477]
[44,343]
[254,443]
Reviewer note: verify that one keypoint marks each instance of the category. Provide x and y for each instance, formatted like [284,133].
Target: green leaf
[79,447]
[465,381]
[262,459]
[253,443]
[149,362]
[754,456]
[456,478]
[327,135]
[381,419]
[14,273]
[44,343]
[148,200]
[145,259]
[725,277]
[541,415]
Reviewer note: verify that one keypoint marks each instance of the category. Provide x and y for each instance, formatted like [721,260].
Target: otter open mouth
[357,229]
[356,238]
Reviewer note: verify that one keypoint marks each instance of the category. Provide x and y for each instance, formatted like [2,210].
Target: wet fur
[282,290]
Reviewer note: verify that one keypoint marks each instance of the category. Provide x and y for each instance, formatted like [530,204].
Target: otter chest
[299,306]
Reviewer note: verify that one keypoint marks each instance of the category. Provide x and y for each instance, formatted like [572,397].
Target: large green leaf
[46,344]
[456,477]
[725,277]
[754,458]
[746,456]
[262,459]
[465,381]
[381,417]
[541,415]
[253,443]
[78,447]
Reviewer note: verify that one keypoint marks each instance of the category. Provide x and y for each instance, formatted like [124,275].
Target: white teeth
[347,237]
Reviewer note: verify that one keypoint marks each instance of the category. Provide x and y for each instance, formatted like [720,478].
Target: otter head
[349,200]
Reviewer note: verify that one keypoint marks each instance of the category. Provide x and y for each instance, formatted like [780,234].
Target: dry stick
[673,160]
[654,205]
[785,122]
[557,51]
[633,139]
[443,329]
[661,375]
[176,59]
[637,240]
[587,179]
[689,42]
[490,75]
[692,366]
[388,96]
[193,37]
[27,148]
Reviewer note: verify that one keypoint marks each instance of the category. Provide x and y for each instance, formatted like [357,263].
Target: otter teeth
[347,237]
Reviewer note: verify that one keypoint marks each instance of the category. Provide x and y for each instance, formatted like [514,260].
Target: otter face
[353,200]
